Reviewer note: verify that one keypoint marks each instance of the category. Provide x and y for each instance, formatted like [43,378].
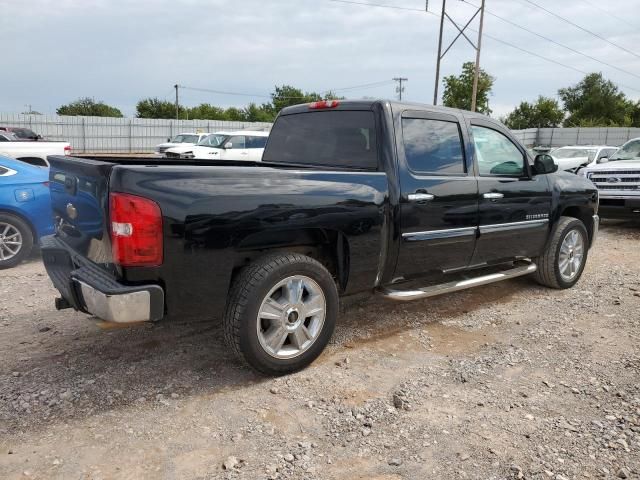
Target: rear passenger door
[235,149]
[255,146]
[514,204]
[439,194]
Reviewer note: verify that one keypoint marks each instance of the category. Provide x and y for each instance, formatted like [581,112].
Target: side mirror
[544,164]
[38,137]
[603,160]
[228,145]
[169,140]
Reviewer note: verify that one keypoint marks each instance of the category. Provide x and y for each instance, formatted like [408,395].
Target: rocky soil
[506,381]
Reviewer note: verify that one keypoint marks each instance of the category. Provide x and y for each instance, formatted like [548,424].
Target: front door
[514,205]
[439,195]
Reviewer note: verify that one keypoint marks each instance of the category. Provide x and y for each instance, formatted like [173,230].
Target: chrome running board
[408,295]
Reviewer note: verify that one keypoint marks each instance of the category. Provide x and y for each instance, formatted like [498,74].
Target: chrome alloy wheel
[571,255]
[10,241]
[291,317]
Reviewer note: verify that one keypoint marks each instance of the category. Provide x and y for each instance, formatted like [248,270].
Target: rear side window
[3,171]
[345,139]
[256,142]
[236,142]
[433,146]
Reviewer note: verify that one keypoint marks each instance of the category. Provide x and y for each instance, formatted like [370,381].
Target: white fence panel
[116,135]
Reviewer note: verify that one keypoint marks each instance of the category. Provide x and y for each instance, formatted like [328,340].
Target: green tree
[543,113]
[206,111]
[596,102]
[458,89]
[156,108]
[88,107]
[255,113]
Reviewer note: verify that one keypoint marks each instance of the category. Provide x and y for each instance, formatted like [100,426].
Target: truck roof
[393,104]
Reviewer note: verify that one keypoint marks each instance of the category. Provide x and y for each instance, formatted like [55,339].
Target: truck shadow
[79,367]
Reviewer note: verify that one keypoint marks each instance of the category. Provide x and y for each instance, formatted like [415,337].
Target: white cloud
[120,51]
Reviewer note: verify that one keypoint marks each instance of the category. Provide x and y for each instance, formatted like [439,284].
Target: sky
[120,51]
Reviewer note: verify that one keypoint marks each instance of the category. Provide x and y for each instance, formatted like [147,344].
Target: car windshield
[185,139]
[628,151]
[590,153]
[212,141]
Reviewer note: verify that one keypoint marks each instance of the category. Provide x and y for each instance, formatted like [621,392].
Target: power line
[582,28]
[506,20]
[495,39]
[259,95]
[620,19]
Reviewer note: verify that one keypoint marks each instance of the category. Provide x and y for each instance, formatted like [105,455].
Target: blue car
[25,209]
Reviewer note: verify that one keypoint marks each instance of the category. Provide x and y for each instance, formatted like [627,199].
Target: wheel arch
[327,246]
[24,218]
[581,213]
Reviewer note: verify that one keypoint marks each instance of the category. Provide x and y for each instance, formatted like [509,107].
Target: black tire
[548,273]
[248,290]
[27,240]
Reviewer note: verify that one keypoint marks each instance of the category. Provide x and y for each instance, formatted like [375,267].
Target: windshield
[185,139]
[590,153]
[23,133]
[212,141]
[628,151]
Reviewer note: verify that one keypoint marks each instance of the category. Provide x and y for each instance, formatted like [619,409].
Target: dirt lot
[506,381]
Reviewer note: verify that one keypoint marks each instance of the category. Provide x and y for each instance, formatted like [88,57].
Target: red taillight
[324,104]
[46,184]
[136,231]
[67,150]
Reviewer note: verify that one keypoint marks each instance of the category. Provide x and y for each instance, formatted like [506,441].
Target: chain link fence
[117,135]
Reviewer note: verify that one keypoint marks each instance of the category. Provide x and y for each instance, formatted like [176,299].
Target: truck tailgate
[79,198]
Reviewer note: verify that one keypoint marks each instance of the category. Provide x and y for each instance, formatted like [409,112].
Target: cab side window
[237,142]
[256,142]
[433,146]
[496,154]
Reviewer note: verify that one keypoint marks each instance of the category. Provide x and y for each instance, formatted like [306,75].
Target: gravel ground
[510,380]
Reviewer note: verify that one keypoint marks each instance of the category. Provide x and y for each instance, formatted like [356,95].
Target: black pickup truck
[402,200]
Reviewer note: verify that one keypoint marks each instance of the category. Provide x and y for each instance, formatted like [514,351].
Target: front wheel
[565,256]
[281,313]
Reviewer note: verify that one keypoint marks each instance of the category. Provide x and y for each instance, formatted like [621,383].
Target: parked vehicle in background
[25,209]
[403,200]
[24,134]
[240,145]
[618,181]
[34,153]
[181,139]
[574,157]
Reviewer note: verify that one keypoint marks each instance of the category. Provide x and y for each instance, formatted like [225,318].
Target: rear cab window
[337,138]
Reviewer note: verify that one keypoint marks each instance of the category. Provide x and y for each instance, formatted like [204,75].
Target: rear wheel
[16,240]
[281,313]
[563,261]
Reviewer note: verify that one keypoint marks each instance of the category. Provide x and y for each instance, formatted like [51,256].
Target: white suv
[241,145]
[179,140]
[574,157]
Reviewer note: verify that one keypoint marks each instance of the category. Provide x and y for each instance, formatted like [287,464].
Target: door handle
[493,195]
[420,197]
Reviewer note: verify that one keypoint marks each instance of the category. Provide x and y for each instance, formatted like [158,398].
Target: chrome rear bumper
[141,305]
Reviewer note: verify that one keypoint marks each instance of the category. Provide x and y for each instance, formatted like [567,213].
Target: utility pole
[461,32]
[176,86]
[435,89]
[474,95]
[400,88]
